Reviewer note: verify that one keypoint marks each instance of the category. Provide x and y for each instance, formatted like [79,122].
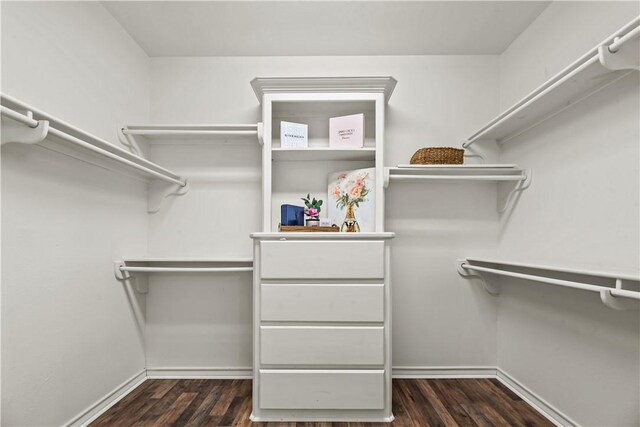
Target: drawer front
[322,260]
[326,302]
[320,389]
[321,345]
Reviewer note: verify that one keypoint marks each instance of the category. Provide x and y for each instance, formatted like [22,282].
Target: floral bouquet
[350,189]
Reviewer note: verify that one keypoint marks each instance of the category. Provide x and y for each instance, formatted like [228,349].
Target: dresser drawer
[321,389]
[321,345]
[322,302]
[322,260]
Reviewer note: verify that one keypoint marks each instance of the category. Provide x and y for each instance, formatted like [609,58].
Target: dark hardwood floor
[416,403]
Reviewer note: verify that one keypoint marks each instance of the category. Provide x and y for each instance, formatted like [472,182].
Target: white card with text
[293,135]
[346,131]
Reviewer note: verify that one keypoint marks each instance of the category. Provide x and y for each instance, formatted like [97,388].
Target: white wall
[68,333]
[439,320]
[204,320]
[581,211]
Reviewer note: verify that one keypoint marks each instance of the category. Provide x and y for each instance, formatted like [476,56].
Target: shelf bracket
[120,275]
[618,303]
[260,133]
[158,196]
[491,288]
[504,202]
[128,141]
[124,276]
[19,133]
[625,58]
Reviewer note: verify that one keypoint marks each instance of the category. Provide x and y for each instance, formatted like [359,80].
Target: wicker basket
[438,156]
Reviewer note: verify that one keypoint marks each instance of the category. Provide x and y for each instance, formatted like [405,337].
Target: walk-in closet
[320,213]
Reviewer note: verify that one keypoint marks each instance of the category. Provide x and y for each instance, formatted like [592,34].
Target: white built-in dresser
[322,306]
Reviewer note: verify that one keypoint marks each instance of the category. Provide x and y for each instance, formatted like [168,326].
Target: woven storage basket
[438,156]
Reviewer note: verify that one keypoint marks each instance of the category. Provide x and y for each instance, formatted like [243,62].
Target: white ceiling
[291,28]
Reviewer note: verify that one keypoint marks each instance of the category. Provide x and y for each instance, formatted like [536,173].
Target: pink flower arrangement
[312,206]
[350,189]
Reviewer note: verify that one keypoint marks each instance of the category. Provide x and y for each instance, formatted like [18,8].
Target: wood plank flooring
[416,403]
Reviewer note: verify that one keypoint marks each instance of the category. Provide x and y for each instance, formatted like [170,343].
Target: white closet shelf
[184,265]
[323,153]
[608,284]
[163,132]
[612,59]
[184,260]
[29,125]
[180,265]
[124,269]
[423,173]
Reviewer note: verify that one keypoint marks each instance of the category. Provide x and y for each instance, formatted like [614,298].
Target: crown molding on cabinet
[268,85]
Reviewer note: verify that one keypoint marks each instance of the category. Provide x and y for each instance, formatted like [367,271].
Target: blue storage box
[291,215]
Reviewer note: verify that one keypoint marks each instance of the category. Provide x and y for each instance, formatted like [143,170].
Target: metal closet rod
[558,282]
[179,132]
[459,177]
[183,270]
[613,47]
[28,120]
[67,127]
[613,44]
[530,99]
[18,117]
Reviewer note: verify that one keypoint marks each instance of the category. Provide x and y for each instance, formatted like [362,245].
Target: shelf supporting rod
[618,42]
[105,153]
[183,270]
[66,128]
[617,57]
[610,45]
[625,293]
[408,177]
[615,298]
[32,123]
[541,279]
[34,132]
[533,98]
[177,132]
[613,301]
[18,117]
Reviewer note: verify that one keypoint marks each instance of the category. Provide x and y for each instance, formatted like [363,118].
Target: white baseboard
[539,404]
[110,399]
[545,408]
[207,372]
[102,405]
[444,372]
